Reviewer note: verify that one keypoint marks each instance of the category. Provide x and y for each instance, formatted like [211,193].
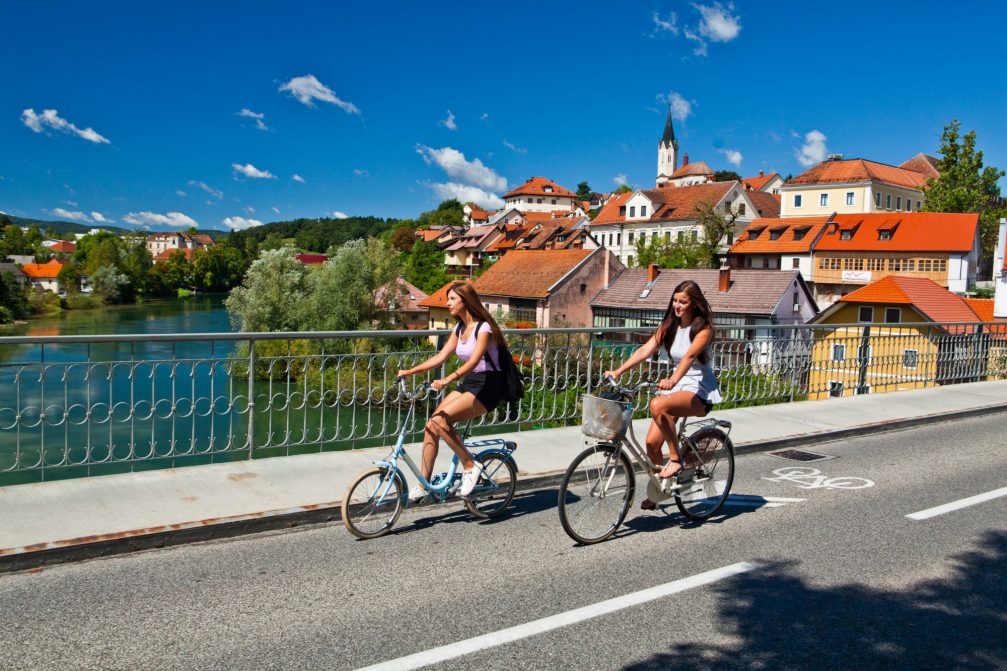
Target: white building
[539,194]
[1000,273]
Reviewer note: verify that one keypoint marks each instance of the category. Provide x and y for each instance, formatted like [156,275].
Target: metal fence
[73,406]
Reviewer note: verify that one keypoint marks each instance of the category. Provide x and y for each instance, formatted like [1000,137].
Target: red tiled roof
[609,214]
[439,298]
[63,247]
[921,163]
[670,203]
[910,232]
[535,186]
[929,298]
[513,235]
[811,226]
[476,212]
[312,259]
[697,168]
[40,271]
[529,273]
[767,204]
[759,181]
[166,254]
[429,235]
[983,307]
[859,170]
[475,237]
[409,299]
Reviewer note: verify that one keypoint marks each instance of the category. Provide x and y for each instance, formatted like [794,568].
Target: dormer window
[885,234]
[799,233]
[622,210]
[846,235]
[547,189]
[774,235]
[752,235]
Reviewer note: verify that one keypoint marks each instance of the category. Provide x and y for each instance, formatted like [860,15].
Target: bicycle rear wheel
[596,493]
[495,489]
[708,475]
[373,502]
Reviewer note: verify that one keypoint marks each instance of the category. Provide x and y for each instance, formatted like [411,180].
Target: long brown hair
[473,305]
[702,316]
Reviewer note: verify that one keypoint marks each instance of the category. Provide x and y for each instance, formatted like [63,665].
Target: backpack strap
[486,352]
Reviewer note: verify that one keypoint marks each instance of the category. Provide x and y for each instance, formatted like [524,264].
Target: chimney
[761,174]
[725,279]
[685,159]
[653,270]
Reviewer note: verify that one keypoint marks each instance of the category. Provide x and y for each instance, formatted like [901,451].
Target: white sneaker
[469,479]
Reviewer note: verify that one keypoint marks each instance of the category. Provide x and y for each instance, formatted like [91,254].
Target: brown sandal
[647,504]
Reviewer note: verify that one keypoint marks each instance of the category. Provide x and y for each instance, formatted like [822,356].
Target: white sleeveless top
[699,379]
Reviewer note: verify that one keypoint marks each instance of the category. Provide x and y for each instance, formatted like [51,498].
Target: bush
[78,301]
[43,303]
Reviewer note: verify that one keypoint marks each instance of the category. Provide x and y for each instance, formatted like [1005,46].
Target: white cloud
[180,193]
[485,116]
[276,210]
[449,123]
[176,219]
[249,170]
[216,193]
[733,156]
[813,151]
[466,193]
[718,23]
[668,25]
[307,89]
[50,119]
[249,209]
[338,215]
[67,214]
[360,172]
[514,148]
[700,48]
[298,178]
[70,203]
[101,219]
[619,180]
[249,114]
[240,223]
[454,163]
[680,107]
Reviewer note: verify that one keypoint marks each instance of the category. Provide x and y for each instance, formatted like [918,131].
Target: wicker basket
[604,419]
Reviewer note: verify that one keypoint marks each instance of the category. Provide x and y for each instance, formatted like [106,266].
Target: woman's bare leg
[430,439]
[666,411]
[441,424]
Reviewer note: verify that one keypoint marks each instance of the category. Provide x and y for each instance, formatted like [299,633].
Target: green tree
[624,188]
[109,284]
[273,294]
[717,224]
[217,268]
[13,301]
[725,176]
[402,237]
[424,266]
[584,191]
[448,213]
[69,278]
[965,185]
[136,263]
[98,250]
[684,253]
[33,238]
[341,291]
[14,241]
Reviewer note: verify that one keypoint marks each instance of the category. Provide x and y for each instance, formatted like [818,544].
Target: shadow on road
[784,622]
[524,503]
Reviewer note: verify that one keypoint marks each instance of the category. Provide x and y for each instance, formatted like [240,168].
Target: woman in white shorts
[686,334]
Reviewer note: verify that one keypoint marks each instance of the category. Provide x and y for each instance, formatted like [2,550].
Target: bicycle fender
[495,450]
[384,464]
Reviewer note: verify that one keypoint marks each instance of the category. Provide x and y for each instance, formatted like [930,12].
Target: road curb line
[79,549]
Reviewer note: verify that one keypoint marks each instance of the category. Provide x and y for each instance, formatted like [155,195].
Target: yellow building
[856,186]
[894,334]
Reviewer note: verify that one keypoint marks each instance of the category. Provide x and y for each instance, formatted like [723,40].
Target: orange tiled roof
[983,307]
[697,168]
[513,234]
[535,186]
[43,271]
[63,247]
[529,273]
[811,226]
[609,214]
[408,297]
[166,254]
[924,164]
[910,232]
[859,170]
[429,235]
[439,298]
[929,298]
[671,203]
[759,181]
[476,212]
[767,204]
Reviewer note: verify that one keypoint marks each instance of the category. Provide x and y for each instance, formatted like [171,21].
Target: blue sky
[384,108]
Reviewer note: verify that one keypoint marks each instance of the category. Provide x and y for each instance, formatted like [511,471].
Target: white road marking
[453,650]
[754,501]
[956,505]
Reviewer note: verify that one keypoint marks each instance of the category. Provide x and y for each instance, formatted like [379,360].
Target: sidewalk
[73,519]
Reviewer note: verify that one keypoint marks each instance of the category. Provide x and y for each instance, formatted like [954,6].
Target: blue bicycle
[375,499]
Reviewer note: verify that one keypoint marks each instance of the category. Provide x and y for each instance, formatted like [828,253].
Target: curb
[93,547]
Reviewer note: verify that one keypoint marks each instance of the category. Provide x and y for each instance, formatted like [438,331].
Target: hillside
[315,235]
[58,228]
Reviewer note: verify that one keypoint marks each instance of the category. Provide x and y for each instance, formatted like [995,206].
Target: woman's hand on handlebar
[609,376]
[403,374]
[665,384]
[437,385]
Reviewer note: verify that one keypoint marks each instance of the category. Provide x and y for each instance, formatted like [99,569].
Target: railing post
[590,361]
[251,397]
[979,355]
[865,359]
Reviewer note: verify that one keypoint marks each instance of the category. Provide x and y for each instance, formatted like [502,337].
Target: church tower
[667,152]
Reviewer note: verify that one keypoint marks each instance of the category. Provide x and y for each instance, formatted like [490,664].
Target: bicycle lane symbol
[812,478]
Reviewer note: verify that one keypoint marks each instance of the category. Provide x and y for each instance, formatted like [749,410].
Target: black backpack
[513,388]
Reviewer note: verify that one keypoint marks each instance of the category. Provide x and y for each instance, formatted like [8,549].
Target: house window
[893,315]
[643,210]
[865,315]
[540,200]
[667,236]
[823,200]
[695,236]
[919,206]
[877,199]
[583,288]
[885,235]
[941,265]
[799,235]
[629,260]
[909,205]
[849,197]
[797,200]
[774,235]
[632,210]
[630,238]
[618,238]
[835,389]
[547,189]
[553,201]
[741,209]
[910,358]
[643,237]
[888,201]
[795,263]
[846,235]
[622,210]
[681,236]
[898,203]
[839,352]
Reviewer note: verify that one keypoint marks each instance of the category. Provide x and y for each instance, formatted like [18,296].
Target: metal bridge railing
[83,405]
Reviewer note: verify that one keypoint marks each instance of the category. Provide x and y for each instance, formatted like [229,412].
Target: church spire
[669,132]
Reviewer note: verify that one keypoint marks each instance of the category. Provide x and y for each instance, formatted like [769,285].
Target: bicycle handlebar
[416,392]
[612,382]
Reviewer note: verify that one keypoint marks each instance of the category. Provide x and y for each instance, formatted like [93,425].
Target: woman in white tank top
[686,333]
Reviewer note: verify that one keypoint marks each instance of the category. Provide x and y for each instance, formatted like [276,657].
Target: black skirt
[487,387]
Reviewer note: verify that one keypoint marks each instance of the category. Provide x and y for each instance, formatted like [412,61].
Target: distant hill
[316,235]
[58,228]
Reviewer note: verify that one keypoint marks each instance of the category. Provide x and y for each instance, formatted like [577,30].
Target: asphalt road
[834,579]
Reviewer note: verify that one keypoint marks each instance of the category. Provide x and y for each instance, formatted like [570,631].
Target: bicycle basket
[604,419]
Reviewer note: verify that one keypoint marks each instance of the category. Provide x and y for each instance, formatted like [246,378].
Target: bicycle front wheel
[373,502]
[709,460]
[495,489]
[596,493]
